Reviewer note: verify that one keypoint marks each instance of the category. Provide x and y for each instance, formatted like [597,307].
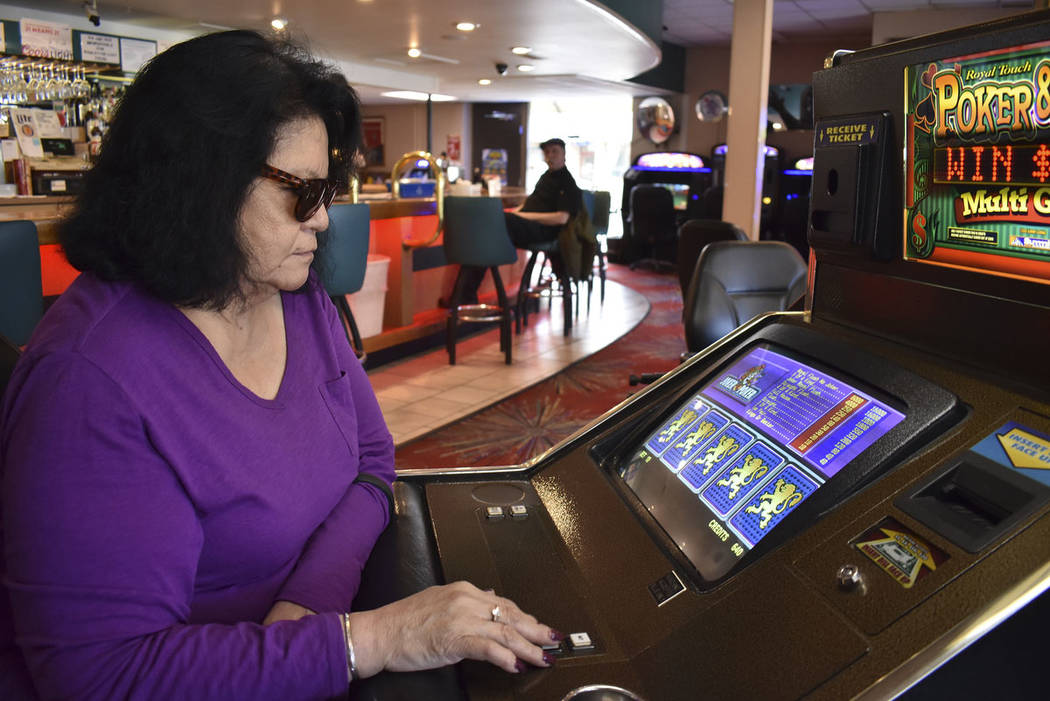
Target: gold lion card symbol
[727,445]
[784,496]
[703,431]
[679,423]
[739,477]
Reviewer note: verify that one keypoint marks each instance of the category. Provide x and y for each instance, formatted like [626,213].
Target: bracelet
[351,660]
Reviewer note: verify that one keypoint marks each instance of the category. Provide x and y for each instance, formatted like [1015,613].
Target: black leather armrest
[403,562]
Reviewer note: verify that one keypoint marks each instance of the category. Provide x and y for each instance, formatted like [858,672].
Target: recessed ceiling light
[521,50]
[525,68]
[421,96]
[484,81]
[414,52]
[279,23]
[466,26]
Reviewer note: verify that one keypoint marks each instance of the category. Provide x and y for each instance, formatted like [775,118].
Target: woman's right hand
[445,624]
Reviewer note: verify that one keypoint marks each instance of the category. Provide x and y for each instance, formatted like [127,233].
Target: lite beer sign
[978,191]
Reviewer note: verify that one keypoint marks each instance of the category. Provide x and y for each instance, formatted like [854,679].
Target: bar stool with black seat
[345,261]
[21,292]
[476,235]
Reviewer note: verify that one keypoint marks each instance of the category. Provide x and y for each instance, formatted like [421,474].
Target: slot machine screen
[679,192]
[978,162]
[748,447]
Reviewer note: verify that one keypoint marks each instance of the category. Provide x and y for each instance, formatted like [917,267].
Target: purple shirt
[154,508]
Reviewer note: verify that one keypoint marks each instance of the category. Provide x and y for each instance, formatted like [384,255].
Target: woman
[195,467]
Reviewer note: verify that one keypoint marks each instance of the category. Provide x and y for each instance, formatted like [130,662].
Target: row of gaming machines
[695,185]
[831,503]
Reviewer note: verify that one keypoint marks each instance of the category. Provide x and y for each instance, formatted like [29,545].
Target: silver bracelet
[351,660]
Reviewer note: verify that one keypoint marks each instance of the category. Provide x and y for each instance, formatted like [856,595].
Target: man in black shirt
[554,201]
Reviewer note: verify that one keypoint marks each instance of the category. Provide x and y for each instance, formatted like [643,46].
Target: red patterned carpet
[530,422]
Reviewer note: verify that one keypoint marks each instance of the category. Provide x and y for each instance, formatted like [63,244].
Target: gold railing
[439,192]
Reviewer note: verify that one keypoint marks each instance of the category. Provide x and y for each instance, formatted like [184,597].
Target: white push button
[580,641]
[551,647]
[519,511]
[495,511]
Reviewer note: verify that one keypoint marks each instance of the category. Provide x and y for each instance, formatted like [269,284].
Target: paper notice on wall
[27,131]
[99,48]
[46,39]
[134,53]
[49,125]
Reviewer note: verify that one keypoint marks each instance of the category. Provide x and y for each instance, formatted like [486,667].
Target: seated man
[554,201]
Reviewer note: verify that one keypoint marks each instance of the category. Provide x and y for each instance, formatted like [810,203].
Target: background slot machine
[852,501]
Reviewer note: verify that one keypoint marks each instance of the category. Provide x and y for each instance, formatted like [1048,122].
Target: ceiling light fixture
[420,96]
[466,26]
[278,24]
[521,50]
[414,52]
[484,81]
[525,68]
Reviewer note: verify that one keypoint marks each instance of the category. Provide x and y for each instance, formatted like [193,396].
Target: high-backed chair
[597,204]
[476,235]
[735,281]
[693,236]
[9,354]
[346,259]
[21,293]
[652,226]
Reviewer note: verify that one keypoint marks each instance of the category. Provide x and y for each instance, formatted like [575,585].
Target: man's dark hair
[553,142]
[162,204]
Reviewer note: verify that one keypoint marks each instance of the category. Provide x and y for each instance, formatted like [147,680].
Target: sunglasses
[313,194]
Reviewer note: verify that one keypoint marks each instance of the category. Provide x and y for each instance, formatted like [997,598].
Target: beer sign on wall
[977,190]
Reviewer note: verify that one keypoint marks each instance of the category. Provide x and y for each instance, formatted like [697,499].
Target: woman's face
[280,248]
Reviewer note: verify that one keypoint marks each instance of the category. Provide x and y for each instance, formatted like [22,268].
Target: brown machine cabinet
[920,525]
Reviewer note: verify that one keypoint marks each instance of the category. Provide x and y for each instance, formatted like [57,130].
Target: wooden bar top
[47,211]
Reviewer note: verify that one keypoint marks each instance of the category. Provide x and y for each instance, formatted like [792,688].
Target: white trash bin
[367,303]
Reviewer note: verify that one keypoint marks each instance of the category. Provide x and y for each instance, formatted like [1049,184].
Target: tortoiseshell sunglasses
[313,194]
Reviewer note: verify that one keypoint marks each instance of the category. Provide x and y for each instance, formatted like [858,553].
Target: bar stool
[345,260]
[476,235]
[21,292]
[597,204]
[557,284]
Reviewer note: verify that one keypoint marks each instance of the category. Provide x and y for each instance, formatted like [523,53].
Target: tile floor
[424,392]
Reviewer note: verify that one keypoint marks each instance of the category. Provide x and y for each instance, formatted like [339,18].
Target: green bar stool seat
[476,235]
[21,291]
[345,261]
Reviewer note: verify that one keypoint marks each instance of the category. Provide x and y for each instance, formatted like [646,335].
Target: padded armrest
[403,562]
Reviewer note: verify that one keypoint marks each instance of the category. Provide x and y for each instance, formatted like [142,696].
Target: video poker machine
[842,502]
[685,175]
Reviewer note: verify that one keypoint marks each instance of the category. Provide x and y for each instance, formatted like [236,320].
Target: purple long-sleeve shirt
[154,508]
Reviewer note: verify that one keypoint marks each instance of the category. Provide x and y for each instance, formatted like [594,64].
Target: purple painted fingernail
[557,636]
[549,659]
[520,666]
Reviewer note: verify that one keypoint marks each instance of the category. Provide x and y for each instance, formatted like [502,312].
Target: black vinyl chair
[735,281]
[476,235]
[693,236]
[652,227]
[346,260]
[9,355]
[597,204]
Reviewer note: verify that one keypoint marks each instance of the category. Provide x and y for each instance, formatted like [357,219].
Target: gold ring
[496,614]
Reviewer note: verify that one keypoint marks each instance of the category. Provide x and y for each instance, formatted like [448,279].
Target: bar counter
[405,230]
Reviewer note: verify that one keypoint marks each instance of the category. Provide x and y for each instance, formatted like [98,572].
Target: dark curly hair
[191,134]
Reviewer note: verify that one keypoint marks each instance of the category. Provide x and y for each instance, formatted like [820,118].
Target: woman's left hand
[286,611]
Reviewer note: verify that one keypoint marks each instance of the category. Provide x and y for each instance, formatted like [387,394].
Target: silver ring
[496,614]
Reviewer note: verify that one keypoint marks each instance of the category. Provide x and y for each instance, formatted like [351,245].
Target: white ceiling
[579,49]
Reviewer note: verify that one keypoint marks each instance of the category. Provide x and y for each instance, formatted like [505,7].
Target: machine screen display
[680,193]
[978,170]
[748,447]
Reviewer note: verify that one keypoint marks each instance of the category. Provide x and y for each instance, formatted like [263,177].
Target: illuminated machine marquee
[978,162]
